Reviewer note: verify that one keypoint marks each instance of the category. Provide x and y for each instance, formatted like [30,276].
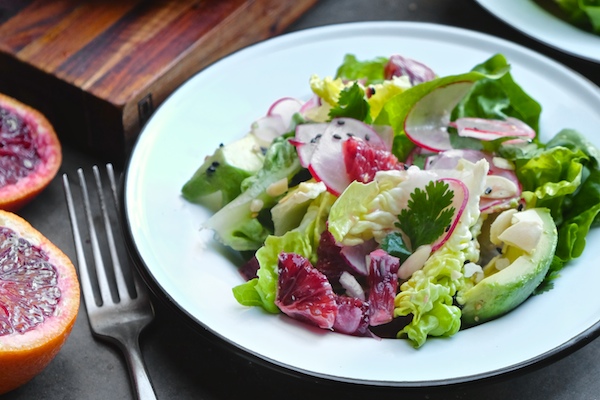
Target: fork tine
[140,288]
[118,271]
[84,274]
[103,285]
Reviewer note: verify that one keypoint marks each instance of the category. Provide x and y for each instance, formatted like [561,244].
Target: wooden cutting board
[99,68]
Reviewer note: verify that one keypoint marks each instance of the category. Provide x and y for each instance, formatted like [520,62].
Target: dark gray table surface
[184,364]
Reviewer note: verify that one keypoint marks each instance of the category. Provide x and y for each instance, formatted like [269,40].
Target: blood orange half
[30,153]
[39,301]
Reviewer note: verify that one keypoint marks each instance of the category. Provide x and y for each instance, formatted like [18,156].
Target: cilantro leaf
[352,104]
[394,245]
[428,214]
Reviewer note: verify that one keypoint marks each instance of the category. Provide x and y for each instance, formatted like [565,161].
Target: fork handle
[137,370]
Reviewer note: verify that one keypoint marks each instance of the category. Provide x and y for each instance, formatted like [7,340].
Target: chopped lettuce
[290,210]
[303,240]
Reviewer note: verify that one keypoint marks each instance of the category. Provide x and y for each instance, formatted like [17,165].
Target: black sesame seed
[372,90]
[336,136]
[466,262]
[406,166]
[488,190]
[221,144]
[499,250]
[341,122]
[350,134]
[215,164]
[210,170]
[367,137]
[447,228]
[520,207]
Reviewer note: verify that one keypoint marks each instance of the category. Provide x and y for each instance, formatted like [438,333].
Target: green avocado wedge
[225,170]
[528,239]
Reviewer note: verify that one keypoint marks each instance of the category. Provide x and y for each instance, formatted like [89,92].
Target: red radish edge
[436,245]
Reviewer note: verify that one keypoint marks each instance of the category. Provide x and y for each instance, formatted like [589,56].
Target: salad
[584,14]
[395,203]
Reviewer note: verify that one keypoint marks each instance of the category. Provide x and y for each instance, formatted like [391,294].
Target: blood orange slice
[39,301]
[30,153]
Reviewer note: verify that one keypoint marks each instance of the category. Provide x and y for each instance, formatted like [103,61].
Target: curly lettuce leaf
[564,176]
[369,71]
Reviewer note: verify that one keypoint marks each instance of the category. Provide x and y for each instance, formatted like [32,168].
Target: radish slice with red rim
[285,108]
[416,71]
[427,122]
[492,129]
[320,149]
[459,202]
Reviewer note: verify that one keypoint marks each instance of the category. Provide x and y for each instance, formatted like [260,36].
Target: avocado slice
[529,240]
[225,170]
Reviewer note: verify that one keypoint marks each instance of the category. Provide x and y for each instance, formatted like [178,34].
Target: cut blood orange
[39,301]
[30,153]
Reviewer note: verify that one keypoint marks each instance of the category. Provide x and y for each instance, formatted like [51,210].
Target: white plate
[531,19]
[217,106]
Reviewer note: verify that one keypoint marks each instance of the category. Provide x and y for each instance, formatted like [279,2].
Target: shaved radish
[319,147]
[277,121]
[356,256]
[426,123]
[491,129]
[403,66]
[314,101]
[493,200]
[459,202]
[285,108]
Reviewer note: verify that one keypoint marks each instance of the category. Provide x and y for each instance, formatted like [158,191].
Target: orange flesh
[28,285]
[18,152]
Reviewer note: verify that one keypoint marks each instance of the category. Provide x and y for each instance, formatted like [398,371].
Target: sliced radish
[356,256]
[319,147]
[277,121]
[267,128]
[426,123]
[285,107]
[314,101]
[402,66]
[459,202]
[491,129]
[498,168]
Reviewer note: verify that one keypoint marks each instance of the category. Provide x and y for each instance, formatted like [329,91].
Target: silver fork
[119,320]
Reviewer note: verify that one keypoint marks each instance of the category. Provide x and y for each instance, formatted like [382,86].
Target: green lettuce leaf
[582,13]
[371,71]
[303,240]
[563,176]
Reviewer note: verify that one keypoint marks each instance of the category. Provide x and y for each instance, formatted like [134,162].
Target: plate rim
[532,363]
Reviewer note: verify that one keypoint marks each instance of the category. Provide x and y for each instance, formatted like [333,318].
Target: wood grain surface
[99,68]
